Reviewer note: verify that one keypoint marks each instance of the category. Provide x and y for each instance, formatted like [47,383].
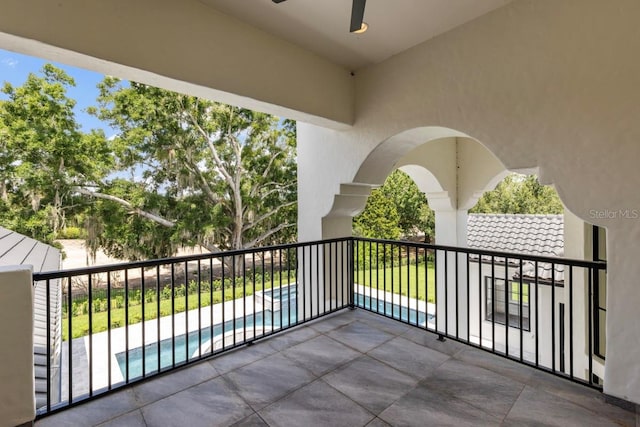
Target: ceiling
[322,26]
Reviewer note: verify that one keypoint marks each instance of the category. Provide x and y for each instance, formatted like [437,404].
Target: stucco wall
[17,390]
[546,84]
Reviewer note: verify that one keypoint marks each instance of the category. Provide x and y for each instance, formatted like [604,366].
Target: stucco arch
[452,168]
[388,153]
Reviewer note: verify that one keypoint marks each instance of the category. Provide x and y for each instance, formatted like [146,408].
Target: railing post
[352,273]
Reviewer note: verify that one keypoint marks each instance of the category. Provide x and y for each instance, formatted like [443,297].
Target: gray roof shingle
[541,235]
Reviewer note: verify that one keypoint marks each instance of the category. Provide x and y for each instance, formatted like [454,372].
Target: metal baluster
[553,318]
[507,320]
[109,329]
[537,314]
[142,298]
[186,312]
[522,314]
[158,296]
[199,309]
[457,314]
[590,351]
[211,304]
[224,299]
[173,315]
[571,321]
[493,304]
[90,311]
[70,340]
[48,345]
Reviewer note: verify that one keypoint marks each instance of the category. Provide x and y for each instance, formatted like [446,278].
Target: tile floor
[352,369]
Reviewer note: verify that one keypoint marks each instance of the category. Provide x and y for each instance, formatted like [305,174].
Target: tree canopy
[397,208]
[202,173]
[44,155]
[180,171]
[520,194]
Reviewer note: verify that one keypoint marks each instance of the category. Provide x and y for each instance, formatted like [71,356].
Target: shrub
[165,294]
[119,301]
[71,233]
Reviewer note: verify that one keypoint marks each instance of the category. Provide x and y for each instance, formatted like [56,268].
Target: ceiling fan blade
[278,1]
[357,15]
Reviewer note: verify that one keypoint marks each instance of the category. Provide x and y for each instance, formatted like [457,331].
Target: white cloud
[10,62]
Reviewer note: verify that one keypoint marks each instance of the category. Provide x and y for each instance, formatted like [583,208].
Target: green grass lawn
[404,280]
[80,322]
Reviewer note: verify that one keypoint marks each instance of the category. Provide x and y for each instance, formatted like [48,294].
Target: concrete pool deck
[352,368]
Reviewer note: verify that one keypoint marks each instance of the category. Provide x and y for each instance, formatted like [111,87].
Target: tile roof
[17,249]
[523,234]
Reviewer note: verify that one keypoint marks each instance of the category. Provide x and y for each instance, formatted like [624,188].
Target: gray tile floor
[352,369]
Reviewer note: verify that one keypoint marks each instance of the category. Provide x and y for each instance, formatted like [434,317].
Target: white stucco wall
[541,83]
[17,390]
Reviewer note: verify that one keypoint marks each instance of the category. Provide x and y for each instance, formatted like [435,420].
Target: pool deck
[352,368]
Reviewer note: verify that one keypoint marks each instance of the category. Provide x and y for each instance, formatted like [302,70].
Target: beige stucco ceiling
[322,26]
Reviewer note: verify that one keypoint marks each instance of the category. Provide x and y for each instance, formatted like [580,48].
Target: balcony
[352,368]
[337,332]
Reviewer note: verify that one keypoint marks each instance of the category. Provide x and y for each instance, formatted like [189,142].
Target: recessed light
[364,27]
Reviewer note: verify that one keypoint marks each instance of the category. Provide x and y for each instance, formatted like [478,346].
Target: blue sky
[14,68]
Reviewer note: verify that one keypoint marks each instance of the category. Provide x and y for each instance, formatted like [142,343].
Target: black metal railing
[127,322]
[533,309]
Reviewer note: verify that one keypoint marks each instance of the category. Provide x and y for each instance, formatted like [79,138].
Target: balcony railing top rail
[599,265]
[56,274]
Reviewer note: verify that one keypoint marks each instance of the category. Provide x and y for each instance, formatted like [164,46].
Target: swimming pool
[186,346]
[396,311]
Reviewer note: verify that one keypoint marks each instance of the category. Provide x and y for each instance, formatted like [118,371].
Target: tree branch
[205,185]
[155,218]
[267,215]
[276,190]
[265,173]
[212,148]
[267,234]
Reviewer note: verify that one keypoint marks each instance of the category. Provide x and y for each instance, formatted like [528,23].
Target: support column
[622,373]
[451,279]
[575,246]
[17,389]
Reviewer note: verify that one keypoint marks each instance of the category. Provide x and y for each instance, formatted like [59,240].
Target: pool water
[176,351]
[394,310]
[186,346]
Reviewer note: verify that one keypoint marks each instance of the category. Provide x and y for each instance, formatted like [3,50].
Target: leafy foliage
[397,208]
[379,220]
[182,170]
[520,194]
[201,173]
[43,155]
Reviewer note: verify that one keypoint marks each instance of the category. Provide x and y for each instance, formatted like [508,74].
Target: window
[500,294]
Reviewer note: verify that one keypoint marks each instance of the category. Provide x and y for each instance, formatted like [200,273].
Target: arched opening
[451,168]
